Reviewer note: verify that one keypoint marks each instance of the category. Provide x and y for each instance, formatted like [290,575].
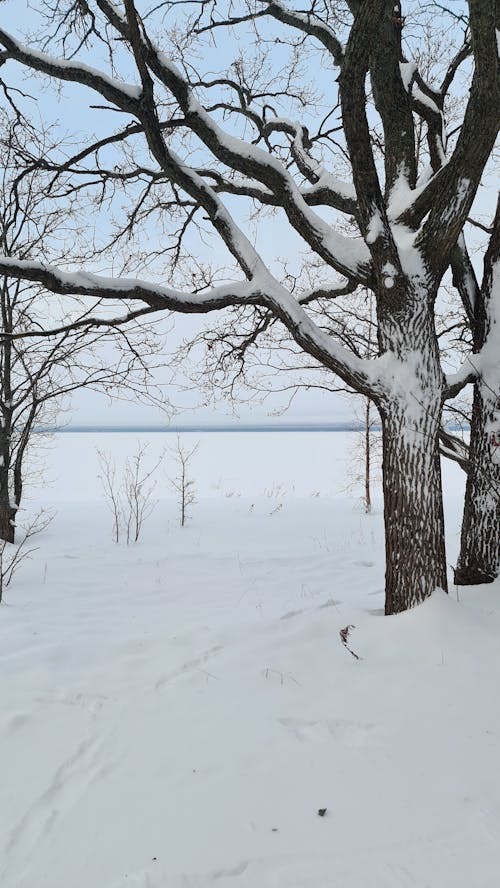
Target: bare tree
[111,489]
[257,135]
[38,371]
[183,484]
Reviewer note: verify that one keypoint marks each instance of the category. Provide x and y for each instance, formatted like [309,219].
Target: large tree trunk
[411,416]
[413,512]
[479,559]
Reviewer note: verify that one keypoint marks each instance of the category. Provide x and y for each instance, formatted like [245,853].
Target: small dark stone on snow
[322,811]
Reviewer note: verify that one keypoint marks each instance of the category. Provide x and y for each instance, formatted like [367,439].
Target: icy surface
[175,713]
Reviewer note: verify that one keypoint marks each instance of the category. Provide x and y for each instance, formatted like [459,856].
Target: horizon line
[346,426]
[201,427]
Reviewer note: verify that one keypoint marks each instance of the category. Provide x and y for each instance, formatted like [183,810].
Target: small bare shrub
[138,486]
[130,497]
[12,555]
[111,488]
[182,483]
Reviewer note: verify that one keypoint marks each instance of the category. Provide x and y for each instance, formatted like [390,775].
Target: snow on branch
[467,373]
[125,95]
[348,256]
[264,290]
[392,98]
[465,281]
[308,23]
[372,211]
[461,175]
[85,283]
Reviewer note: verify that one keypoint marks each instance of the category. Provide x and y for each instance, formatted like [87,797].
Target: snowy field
[176,712]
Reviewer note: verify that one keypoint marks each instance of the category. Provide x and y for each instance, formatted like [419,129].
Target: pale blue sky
[72,109]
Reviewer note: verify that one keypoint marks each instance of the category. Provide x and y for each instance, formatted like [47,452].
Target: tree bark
[368,498]
[413,512]
[7,523]
[7,510]
[411,470]
[479,559]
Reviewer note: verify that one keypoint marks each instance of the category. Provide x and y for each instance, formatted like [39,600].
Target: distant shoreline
[202,429]
[285,427]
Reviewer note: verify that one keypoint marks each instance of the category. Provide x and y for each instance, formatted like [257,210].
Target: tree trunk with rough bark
[368,497]
[7,511]
[7,523]
[479,560]
[413,513]
[411,469]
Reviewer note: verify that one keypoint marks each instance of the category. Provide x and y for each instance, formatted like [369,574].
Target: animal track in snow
[90,703]
[66,785]
[188,666]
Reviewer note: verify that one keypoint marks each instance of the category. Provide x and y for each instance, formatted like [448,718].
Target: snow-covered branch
[84,283]
[462,174]
[309,24]
[264,290]
[125,96]
[348,256]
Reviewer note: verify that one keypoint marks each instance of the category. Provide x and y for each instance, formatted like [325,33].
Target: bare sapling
[183,484]
[138,486]
[372,446]
[12,555]
[130,496]
[363,467]
[111,489]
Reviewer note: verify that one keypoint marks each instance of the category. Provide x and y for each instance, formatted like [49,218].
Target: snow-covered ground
[175,713]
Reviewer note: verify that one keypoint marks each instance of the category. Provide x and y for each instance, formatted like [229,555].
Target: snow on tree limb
[348,256]
[392,100]
[465,281]
[310,24]
[125,95]
[264,291]
[462,173]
